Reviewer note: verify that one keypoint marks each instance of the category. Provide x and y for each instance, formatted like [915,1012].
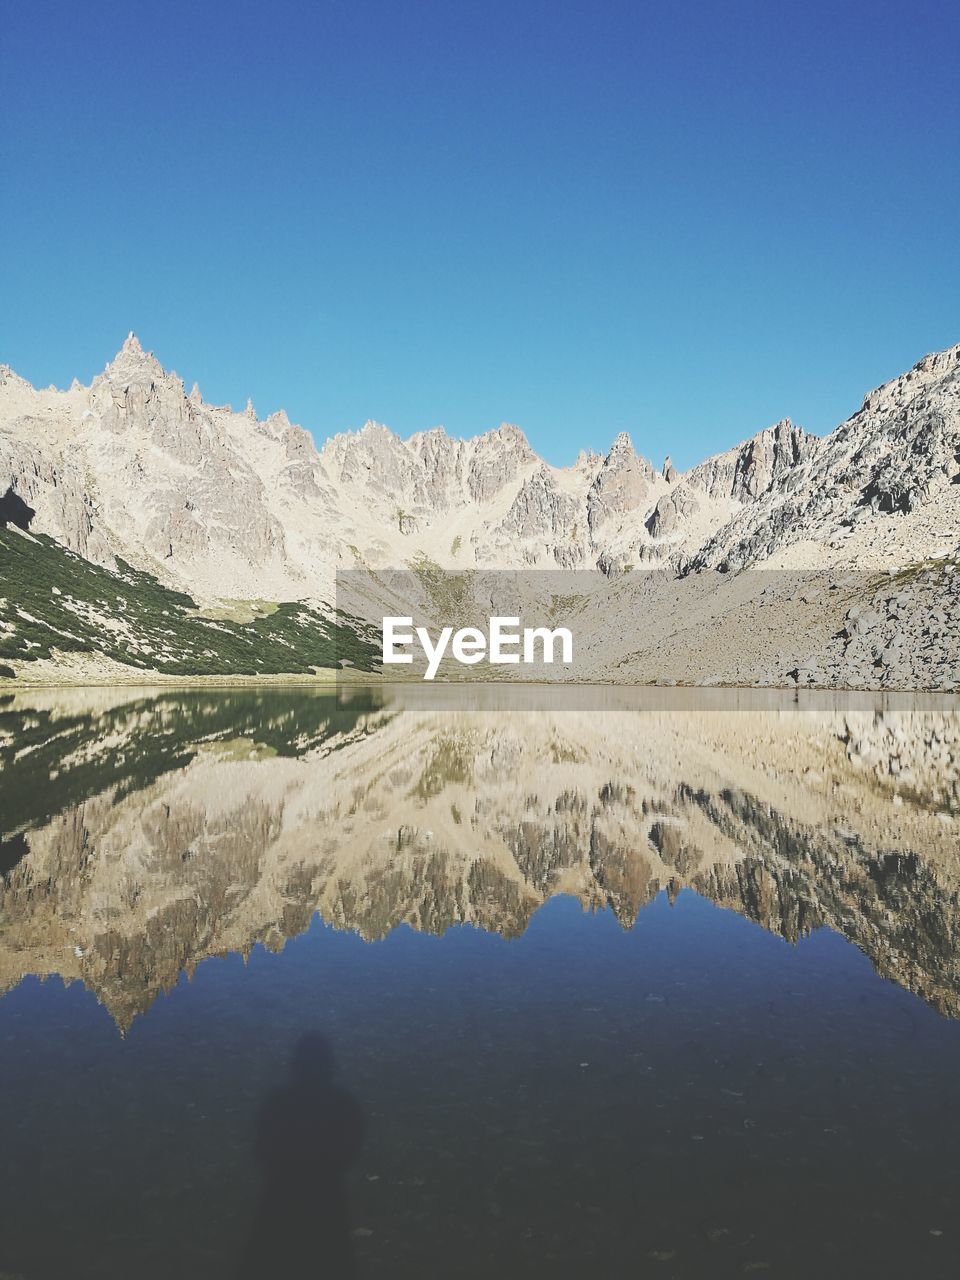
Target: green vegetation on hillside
[53,600]
[449,592]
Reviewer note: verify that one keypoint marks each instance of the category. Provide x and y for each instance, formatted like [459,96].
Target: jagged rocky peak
[441,458]
[510,433]
[279,421]
[669,470]
[588,460]
[540,509]
[622,484]
[420,477]
[754,467]
[134,390]
[338,444]
[13,385]
[498,458]
[432,470]
[373,430]
[132,361]
[508,441]
[767,457]
[621,449]
[624,458]
[435,447]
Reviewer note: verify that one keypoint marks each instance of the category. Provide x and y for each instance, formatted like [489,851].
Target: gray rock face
[540,510]
[498,459]
[132,467]
[671,511]
[894,457]
[755,467]
[622,486]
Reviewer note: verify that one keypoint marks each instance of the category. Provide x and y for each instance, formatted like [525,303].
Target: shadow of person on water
[309,1132]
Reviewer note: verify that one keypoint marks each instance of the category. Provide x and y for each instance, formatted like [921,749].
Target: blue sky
[683,220]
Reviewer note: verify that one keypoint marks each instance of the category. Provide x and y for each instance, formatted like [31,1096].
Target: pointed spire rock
[195,397]
[131,357]
[250,411]
[669,470]
[623,457]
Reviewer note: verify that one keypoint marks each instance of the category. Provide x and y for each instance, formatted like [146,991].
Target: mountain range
[240,517]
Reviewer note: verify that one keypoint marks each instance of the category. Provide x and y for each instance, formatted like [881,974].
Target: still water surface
[363,985]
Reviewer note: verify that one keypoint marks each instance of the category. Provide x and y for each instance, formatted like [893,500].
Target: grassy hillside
[52,599]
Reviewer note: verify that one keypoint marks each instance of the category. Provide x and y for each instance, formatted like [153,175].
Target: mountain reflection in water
[637,1078]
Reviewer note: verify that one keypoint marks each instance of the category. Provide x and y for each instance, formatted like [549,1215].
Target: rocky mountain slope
[229,508]
[186,827]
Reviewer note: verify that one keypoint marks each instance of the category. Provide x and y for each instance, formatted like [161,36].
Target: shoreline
[330,680]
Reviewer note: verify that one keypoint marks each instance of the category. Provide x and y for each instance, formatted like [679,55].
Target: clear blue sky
[684,220]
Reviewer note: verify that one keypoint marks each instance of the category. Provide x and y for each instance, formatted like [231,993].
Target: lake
[394,982]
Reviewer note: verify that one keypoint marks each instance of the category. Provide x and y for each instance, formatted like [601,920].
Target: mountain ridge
[248,513]
[226,504]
